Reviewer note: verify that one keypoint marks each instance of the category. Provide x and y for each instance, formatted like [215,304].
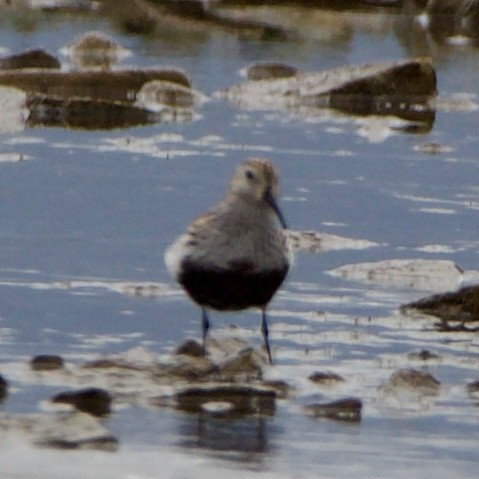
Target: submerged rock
[189,368]
[433,148]
[269,70]
[420,383]
[46,362]
[326,379]
[93,401]
[243,365]
[457,310]
[73,431]
[313,241]
[111,363]
[227,399]
[190,347]
[36,58]
[424,355]
[403,89]
[414,273]
[348,409]
[159,94]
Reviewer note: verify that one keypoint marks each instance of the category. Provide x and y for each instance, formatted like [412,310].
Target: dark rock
[325,378]
[96,99]
[423,355]
[37,58]
[448,18]
[139,24]
[46,362]
[394,90]
[94,401]
[235,400]
[190,348]
[403,89]
[473,387]
[3,388]
[119,85]
[348,409]
[458,310]
[268,70]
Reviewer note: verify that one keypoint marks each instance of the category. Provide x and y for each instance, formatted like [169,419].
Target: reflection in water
[94,115]
[84,113]
[240,438]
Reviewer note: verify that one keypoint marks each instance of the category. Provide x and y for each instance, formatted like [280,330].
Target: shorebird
[236,256]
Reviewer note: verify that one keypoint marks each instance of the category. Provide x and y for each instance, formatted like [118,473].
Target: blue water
[85,206]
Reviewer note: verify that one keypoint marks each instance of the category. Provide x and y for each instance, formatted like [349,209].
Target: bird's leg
[205,324]
[265,331]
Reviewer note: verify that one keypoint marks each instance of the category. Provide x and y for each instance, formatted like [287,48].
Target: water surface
[87,212]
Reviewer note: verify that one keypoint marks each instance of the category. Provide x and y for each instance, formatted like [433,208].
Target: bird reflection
[242,439]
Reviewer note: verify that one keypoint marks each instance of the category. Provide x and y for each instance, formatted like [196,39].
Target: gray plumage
[236,256]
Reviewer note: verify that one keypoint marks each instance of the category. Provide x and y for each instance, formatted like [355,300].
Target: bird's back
[235,256]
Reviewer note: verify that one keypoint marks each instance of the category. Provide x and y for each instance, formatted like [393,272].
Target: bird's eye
[249,174]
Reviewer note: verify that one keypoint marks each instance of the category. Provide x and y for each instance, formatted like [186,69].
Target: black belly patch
[230,289]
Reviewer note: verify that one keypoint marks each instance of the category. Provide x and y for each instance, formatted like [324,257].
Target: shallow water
[87,215]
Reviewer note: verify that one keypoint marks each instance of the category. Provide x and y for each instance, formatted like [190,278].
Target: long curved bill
[271,201]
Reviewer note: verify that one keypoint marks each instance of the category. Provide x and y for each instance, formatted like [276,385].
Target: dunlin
[236,256]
